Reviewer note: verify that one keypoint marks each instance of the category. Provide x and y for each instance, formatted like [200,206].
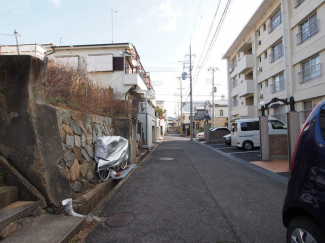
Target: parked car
[227,139]
[200,135]
[303,212]
[246,132]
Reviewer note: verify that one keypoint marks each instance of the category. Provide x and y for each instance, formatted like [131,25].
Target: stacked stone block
[78,132]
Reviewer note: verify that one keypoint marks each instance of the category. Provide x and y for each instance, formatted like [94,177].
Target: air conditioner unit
[260,69]
[230,70]
[259,42]
[261,96]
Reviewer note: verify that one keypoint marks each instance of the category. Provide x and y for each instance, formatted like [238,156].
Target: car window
[277,125]
[249,126]
[322,121]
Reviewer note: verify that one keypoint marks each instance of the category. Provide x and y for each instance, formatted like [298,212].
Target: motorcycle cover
[110,151]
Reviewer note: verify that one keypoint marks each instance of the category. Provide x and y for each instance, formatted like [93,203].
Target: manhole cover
[119,219]
[166,158]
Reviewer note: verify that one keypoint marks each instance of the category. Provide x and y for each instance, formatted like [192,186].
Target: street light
[262,104]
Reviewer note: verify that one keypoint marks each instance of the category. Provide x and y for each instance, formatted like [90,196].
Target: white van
[245,133]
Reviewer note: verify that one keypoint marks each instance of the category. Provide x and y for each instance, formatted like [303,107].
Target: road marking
[244,152]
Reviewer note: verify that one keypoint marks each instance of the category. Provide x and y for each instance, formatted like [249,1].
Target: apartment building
[279,53]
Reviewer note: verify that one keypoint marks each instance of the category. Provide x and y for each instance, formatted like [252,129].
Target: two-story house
[116,66]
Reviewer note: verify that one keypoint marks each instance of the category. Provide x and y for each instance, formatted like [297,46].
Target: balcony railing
[234,83]
[276,55]
[310,73]
[235,103]
[307,32]
[275,22]
[296,3]
[277,86]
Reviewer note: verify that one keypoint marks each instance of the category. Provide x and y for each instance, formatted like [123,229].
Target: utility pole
[191,102]
[213,115]
[16,34]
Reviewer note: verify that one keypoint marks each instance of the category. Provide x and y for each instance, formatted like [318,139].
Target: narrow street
[197,196]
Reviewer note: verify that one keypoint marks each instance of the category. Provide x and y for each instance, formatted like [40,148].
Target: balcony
[307,32]
[246,63]
[277,86]
[310,73]
[244,111]
[245,88]
[134,79]
[144,108]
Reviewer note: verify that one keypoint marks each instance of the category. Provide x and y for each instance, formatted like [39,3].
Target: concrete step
[47,228]
[8,195]
[16,211]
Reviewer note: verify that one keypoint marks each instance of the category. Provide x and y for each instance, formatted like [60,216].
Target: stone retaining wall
[78,132]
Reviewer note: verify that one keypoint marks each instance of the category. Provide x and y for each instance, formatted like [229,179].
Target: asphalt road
[198,196]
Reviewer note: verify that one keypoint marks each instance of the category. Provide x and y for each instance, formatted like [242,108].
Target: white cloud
[56,2]
[169,13]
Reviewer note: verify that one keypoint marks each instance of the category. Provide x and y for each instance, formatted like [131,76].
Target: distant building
[34,50]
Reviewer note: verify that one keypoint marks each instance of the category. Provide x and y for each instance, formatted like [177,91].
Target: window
[250,126]
[259,33]
[265,55]
[277,52]
[261,85]
[275,21]
[97,63]
[221,112]
[67,60]
[260,58]
[267,83]
[280,113]
[308,107]
[311,69]
[235,101]
[264,27]
[278,83]
[189,117]
[234,82]
[277,125]
[307,29]
[233,62]
[296,3]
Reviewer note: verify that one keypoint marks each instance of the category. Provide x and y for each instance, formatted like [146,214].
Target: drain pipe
[67,204]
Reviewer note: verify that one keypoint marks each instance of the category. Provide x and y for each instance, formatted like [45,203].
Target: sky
[161,30]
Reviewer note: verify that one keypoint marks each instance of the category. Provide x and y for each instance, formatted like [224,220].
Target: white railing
[310,73]
[277,86]
[276,55]
[307,32]
[275,22]
[296,3]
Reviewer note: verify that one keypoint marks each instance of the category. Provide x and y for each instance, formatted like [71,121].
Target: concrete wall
[29,133]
